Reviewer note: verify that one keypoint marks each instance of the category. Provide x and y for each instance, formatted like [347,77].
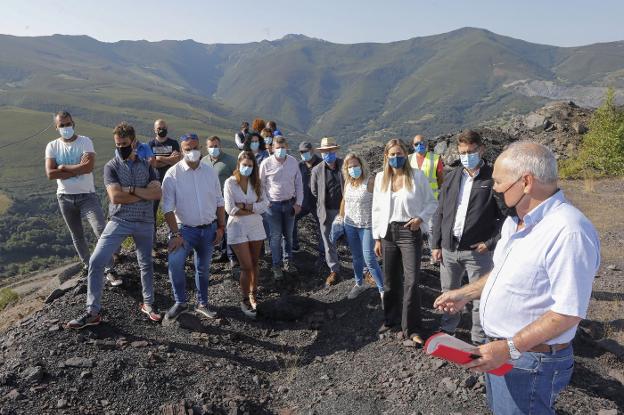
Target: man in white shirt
[194,210]
[281,179]
[539,288]
[70,160]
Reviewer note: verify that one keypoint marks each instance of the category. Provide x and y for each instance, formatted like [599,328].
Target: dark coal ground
[311,351]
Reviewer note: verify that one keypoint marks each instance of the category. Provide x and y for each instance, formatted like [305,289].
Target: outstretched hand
[451,302]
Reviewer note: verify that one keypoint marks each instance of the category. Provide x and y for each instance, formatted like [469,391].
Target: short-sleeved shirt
[127,173]
[224,165]
[549,265]
[164,149]
[70,153]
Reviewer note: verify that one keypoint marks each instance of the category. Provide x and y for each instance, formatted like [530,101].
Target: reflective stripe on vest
[429,168]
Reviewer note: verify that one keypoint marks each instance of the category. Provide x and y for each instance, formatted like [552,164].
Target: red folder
[450,348]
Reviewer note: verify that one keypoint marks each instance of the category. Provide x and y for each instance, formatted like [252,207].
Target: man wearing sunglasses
[70,160]
[132,186]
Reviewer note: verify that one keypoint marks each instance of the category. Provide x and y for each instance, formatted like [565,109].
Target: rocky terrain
[311,351]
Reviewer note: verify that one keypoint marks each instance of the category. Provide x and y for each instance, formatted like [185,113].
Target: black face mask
[499,197]
[162,132]
[124,152]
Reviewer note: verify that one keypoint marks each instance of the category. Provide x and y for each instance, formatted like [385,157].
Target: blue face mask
[355,172]
[307,156]
[329,158]
[280,153]
[254,146]
[245,170]
[268,140]
[420,148]
[214,151]
[396,162]
[470,160]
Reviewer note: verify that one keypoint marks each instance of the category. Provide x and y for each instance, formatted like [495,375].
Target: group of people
[529,256]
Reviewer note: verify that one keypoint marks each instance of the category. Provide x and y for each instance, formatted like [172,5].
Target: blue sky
[562,23]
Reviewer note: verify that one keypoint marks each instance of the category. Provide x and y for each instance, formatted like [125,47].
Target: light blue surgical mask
[268,140]
[245,170]
[329,158]
[306,156]
[254,145]
[355,172]
[470,160]
[280,153]
[396,162]
[214,151]
[420,148]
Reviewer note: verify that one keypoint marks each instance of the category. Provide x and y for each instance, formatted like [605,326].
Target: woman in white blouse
[356,210]
[403,203]
[245,203]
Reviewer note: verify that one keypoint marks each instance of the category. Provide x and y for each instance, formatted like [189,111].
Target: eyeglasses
[190,136]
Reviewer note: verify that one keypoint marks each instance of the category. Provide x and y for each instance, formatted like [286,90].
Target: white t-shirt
[70,154]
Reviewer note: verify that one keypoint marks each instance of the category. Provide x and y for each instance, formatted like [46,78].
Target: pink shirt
[282,180]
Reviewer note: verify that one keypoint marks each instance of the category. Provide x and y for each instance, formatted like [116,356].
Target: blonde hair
[406,171]
[345,170]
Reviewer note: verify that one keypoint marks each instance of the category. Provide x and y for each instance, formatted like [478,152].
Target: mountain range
[354,92]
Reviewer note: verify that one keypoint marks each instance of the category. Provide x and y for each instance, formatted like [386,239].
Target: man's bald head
[159,124]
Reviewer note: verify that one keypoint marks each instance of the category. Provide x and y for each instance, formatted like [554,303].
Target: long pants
[281,220]
[331,253]
[362,247]
[74,208]
[454,265]
[533,385]
[200,241]
[304,212]
[402,247]
[115,232]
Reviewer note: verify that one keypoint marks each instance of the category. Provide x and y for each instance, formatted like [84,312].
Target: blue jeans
[115,232]
[362,246]
[533,385]
[200,241]
[281,220]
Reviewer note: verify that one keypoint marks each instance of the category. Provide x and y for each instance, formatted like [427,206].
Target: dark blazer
[317,186]
[483,218]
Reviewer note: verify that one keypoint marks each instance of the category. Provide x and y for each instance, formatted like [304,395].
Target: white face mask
[214,151]
[66,132]
[192,156]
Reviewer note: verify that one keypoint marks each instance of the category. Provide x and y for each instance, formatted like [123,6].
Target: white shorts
[241,229]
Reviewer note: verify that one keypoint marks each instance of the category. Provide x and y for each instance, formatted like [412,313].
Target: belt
[282,201]
[540,348]
[201,226]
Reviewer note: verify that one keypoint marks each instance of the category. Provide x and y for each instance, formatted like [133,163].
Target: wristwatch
[513,352]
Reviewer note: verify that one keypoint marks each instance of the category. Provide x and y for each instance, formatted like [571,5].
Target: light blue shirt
[550,264]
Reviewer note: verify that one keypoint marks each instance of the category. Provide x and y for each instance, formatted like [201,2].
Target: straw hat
[328,143]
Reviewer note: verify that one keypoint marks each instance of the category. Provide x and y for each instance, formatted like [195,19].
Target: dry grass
[5,203]
[601,200]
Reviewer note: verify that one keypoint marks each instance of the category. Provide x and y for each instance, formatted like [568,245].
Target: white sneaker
[356,291]
[113,279]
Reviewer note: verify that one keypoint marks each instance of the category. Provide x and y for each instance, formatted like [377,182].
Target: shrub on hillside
[602,149]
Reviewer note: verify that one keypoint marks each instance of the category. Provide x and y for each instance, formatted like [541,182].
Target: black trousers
[401,250]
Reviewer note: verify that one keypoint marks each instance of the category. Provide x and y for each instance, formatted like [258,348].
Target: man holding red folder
[539,288]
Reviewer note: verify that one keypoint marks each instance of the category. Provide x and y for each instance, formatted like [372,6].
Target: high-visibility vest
[429,168]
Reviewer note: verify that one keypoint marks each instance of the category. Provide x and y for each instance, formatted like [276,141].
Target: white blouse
[358,205]
[233,194]
[408,204]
